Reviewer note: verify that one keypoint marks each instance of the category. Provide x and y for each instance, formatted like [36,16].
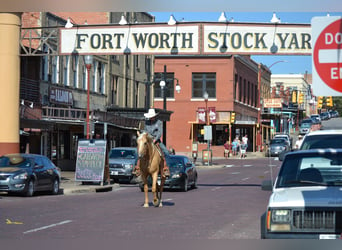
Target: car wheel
[185,185]
[194,185]
[30,189]
[55,187]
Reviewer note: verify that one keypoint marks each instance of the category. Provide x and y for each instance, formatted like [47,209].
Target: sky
[290,64]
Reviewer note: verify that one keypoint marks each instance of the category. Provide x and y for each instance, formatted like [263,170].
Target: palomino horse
[151,164]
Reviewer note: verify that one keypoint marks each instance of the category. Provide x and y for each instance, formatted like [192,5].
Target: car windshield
[322,141]
[175,163]
[127,154]
[278,141]
[14,161]
[299,170]
[305,125]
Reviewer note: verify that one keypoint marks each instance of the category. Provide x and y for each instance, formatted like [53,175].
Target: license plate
[329,236]
[114,173]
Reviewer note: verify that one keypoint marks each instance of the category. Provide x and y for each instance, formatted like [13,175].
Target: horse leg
[145,191]
[154,190]
[161,187]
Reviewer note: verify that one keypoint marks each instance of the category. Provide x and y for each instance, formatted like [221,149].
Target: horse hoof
[146,205]
[161,204]
[156,203]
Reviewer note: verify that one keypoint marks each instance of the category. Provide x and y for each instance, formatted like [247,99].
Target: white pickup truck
[306,199]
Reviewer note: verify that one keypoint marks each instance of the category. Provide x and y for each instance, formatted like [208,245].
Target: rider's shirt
[154,128]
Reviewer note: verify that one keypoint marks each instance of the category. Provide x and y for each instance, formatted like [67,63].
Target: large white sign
[257,39]
[327,56]
[131,39]
[189,38]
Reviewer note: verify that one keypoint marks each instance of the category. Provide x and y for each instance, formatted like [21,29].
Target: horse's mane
[148,136]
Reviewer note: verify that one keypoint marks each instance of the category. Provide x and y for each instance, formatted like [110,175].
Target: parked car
[308,120]
[276,146]
[306,197]
[183,174]
[315,116]
[286,137]
[305,128]
[324,116]
[122,161]
[27,173]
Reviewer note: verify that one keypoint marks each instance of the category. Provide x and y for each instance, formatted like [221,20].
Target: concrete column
[9,82]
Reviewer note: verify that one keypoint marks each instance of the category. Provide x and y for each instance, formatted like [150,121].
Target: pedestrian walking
[235,146]
[226,149]
[299,142]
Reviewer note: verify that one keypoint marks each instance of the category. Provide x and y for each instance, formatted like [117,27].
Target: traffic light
[301,98]
[329,101]
[319,102]
[232,117]
[294,96]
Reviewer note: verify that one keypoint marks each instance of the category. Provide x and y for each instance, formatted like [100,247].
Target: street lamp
[163,86]
[206,96]
[88,61]
[260,74]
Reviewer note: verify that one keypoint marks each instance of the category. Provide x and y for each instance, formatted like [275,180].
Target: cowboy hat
[151,113]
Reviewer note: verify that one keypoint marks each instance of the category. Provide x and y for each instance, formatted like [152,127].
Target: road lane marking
[245,179]
[216,188]
[9,222]
[235,173]
[247,165]
[228,166]
[46,227]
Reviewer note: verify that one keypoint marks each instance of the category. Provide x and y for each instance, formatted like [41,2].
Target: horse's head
[144,143]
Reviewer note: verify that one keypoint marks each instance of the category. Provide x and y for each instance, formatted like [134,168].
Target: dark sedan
[277,146]
[183,173]
[27,173]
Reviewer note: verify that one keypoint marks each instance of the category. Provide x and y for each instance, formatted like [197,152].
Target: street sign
[327,56]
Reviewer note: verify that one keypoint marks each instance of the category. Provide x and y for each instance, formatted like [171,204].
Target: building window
[101,73]
[202,82]
[84,78]
[55,69]
[66,70]
[94,76]
[74,65]
[220,134]
[170,85]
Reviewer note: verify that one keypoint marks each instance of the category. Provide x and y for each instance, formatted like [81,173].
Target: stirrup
[166,171]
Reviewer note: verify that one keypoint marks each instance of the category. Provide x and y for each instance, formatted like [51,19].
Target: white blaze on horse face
[141,141]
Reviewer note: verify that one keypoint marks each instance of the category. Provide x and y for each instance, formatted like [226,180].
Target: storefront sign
[201,115]
[272,103]
[212,114]
[183,38]
[90,160]
[61,96]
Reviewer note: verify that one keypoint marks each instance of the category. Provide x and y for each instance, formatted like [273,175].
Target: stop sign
[327,56]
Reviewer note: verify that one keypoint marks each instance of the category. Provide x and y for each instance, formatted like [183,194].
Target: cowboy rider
[154,127]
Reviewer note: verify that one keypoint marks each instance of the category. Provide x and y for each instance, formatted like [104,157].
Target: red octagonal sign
[327,55]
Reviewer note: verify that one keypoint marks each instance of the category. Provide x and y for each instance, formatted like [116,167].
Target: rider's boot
[136,171]
[166,170]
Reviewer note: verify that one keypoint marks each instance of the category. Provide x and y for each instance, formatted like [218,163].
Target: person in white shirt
[299,142]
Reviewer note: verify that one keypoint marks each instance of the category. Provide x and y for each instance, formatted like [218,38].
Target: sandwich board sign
[327,56]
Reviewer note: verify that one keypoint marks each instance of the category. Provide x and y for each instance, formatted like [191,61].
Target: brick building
[232,85]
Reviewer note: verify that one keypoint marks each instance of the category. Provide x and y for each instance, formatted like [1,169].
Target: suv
[306,197]
[122,161]
[322,139]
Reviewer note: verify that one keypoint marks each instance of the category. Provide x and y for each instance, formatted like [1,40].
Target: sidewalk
[69,186]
